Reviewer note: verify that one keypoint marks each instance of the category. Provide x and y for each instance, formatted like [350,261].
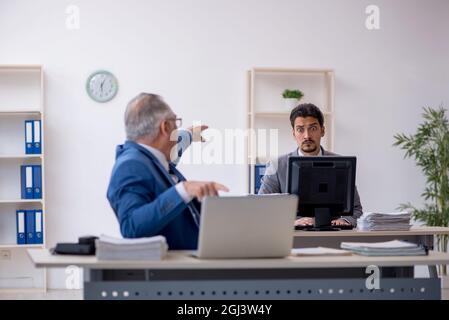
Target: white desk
[414,231]
[333,239]
[181,276]
[420,235]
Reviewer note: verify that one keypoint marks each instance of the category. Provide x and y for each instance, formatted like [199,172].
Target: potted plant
[291,98]
[429,147]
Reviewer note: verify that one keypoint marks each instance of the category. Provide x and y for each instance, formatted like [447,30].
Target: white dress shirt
[163,161]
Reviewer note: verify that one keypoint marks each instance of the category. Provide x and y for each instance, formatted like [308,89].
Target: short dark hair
[306,110]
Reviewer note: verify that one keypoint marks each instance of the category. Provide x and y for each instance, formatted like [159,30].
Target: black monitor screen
[322,183]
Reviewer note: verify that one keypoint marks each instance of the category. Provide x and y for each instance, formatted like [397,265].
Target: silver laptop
[255,226]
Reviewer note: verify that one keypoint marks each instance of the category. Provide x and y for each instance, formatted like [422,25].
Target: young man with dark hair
[307,128]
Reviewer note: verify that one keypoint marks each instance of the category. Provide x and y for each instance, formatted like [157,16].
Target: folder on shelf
[30,226]
[37,182]
[259,171]
[38,227]
[26,175]
[37,137]
[20,223]
[29,146]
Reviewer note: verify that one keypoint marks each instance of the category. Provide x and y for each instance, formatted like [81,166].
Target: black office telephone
[85,247]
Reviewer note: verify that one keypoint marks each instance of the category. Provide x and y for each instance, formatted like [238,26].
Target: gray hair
[143,116]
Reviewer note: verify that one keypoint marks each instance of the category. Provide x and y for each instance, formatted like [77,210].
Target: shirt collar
[318,155]
[158,154]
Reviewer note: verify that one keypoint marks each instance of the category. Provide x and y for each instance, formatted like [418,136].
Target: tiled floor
[445,294]
[49,295]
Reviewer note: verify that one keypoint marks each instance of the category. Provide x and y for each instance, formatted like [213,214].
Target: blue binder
[30,228]
[37,137]
[20,224]
[29,143]
[37,182]
[259,171]
[38,227]
[26,176]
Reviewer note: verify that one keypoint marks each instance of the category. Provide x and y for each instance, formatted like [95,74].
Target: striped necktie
[178,177]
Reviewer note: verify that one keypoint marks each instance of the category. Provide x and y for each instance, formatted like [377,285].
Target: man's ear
[293,133]
[164,128]
[323,131]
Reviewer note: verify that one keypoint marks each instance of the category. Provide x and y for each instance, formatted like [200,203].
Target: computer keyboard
[332,228]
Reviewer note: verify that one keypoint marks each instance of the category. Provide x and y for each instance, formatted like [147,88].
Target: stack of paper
[319,251]
[389,248]
[109,248]
[376,221]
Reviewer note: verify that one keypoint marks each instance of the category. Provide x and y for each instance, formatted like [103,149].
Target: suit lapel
[156,162]
[193,206]
[294,153]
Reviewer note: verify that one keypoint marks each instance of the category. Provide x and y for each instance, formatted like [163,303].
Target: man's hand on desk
[307,221]
[200,189]
[340,222]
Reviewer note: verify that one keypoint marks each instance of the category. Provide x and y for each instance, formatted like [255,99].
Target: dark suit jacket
[275,181]
[146,202]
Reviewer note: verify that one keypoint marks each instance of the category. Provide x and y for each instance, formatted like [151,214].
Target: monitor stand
[323,221]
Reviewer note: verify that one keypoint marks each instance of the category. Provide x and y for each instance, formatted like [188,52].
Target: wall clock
[102,86]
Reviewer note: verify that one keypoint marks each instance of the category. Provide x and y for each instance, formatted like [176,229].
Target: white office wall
[195,54]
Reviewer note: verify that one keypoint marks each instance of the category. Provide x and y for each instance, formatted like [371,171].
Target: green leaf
[293,94]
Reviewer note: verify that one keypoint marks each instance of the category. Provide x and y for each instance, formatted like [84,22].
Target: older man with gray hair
[147,193]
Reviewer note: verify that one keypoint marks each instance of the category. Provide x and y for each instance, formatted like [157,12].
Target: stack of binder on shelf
[33,139]
[259,172]
[31,181]
[388,248]
[376,221]
[29,225]
[109,248]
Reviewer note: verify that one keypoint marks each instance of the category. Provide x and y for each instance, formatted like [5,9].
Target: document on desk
[388,248]
[387,221]
[319,251]
[152,248]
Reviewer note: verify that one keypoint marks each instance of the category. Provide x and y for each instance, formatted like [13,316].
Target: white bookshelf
[266,110]
[21,98]
[21,201]
[17,246]
[20,156]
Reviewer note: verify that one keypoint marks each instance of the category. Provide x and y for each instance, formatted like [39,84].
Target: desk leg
[428,241]
[433,273]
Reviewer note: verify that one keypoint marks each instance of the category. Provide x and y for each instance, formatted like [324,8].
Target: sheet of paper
[394,244]
[319,251]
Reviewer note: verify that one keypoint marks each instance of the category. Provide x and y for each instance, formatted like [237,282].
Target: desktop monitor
[325,187]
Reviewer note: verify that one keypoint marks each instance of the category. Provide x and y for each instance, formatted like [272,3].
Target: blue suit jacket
[145,201]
